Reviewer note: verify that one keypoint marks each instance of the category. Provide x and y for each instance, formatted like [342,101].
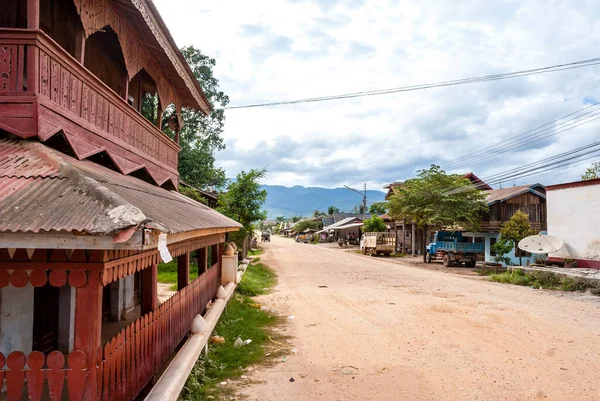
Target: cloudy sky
[289,49]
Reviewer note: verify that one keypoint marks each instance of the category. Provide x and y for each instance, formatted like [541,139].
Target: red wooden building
[88,199]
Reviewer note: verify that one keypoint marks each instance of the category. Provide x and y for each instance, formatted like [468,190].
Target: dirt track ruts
[415,334]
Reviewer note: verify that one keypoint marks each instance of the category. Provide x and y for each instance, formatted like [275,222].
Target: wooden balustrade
[70,97]
[128,362]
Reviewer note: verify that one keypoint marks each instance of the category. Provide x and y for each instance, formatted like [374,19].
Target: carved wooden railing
[32,63]
[126,364]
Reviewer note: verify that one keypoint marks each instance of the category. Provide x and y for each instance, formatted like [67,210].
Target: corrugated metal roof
[502,194]
[65,194]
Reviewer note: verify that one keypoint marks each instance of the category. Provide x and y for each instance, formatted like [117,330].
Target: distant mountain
[302,201]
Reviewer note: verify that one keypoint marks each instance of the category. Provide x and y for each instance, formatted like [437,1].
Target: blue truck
[451,248]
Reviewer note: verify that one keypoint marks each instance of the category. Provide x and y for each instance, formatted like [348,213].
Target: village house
[503,204]
[573,218]
[88,200]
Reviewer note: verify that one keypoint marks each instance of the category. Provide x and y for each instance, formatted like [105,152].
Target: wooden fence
[126,365]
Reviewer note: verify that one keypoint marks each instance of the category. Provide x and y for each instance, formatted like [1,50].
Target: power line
[528,139]
[485,78]
[565,159]
[486,149]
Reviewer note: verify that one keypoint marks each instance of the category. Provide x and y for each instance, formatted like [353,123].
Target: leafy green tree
[304,224]
[296,219]
[435,198]
[243,202]
[378,208]
[375,224]
[517,228]
[193,194]
[201,135]
[280,219]
[331,210]
[318,213]
[501,248]
[592,172]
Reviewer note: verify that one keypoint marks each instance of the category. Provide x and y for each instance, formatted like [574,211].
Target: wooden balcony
[45,91]
[494,226]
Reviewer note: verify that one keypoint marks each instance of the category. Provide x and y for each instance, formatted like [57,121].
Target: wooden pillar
[149,289]
[183,271]
[159,115]
[202,261]
[80,47]
[214,258]
[33,14]
[221,251]
[88,327]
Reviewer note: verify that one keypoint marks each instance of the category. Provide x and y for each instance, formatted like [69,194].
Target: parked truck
[378,243]
[452,249]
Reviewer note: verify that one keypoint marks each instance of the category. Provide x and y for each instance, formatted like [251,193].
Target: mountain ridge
[303,201]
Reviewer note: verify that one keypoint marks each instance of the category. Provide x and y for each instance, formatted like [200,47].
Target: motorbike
[342,242]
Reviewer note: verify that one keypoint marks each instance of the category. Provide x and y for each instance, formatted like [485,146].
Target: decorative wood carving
[6,68]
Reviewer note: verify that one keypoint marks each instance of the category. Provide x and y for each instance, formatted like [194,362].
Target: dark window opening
[13,14]
[60,21]
[492,242]
[104,58]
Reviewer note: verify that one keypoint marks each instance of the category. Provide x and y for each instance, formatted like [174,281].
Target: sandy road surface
[415,334]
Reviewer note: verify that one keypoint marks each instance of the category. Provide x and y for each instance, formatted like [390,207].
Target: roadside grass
[243,319]
[256,252]
[167,273]
[546,280]
[257,280]
[398,255]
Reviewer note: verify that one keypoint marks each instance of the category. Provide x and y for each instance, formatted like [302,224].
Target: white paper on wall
[163,250]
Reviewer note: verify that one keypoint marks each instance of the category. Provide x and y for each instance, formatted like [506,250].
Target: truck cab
[451,248]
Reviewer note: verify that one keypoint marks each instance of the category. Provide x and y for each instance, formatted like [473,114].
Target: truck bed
[461,247]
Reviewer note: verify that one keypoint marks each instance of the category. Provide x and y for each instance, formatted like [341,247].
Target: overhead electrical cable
[485,78]
[568,158]
[528,141]
[532,132]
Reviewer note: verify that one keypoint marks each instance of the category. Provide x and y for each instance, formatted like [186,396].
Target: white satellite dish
[540,244]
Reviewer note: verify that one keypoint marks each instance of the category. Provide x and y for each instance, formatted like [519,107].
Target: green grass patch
[167,273]
[546,280]
[240,320]
[257,280]
[255,252]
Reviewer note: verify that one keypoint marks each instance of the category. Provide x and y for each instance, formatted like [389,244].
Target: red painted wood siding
[125,365]
[72,99]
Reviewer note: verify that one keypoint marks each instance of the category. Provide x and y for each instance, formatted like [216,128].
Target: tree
[331,210]
[318,213]
[515,229]
[374,225]
[501,248]
[201,135]
[435,198]
[592,172]
[243,202]
[304,224]
[193,194]
[378,208]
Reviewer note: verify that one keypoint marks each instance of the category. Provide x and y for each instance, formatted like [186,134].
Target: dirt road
[384,331]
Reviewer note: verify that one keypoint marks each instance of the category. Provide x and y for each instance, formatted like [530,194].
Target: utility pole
[364,202]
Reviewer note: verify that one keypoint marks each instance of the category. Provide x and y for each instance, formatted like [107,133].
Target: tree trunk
[424,243]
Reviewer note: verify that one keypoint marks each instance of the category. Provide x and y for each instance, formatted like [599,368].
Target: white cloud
[279,50]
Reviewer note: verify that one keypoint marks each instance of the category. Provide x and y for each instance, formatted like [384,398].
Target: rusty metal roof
[503,194]
[42,189]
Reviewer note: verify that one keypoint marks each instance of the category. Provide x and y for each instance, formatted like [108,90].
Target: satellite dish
[540,244]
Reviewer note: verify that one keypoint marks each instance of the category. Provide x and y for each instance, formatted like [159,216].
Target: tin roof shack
[573,217]
[88,201]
